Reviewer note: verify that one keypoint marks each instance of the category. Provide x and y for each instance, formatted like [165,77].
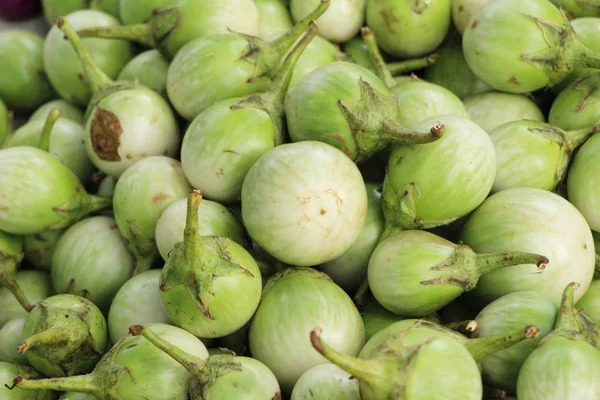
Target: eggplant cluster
[300,199]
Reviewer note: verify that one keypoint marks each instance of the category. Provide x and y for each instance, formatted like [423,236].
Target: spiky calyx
[65,335]
[191,280]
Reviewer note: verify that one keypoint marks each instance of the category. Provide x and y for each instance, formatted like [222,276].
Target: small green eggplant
[125,121]
[565,365]
[210,286]
[415,273]
[141,195]
[178,22]
[64,335]
[23,82]
[40,193]
[224,141]
[213,68]
[133,369]
[535,155]
[222,376]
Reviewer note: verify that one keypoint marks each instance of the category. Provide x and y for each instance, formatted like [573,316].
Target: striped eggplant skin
[294,302]
[66,143]
[495,50]
[137,302]
[35,284]
[518,219]
[338,24]
[63,66]
[140,197]
[492,109]
[326,381]
[67,110]
[10,336]
[504,315]
[350,269]
[589,304]
[584,181]
[96,243]
[419,101]
[407,29]
[24,84]
[578,105]
[39,192]
[533,154]
[274,18]
[464,159]
[566,363]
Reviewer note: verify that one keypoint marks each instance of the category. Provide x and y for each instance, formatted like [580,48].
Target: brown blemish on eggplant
[474,24]
[340,139]
[389,19]
[105,135]
[159,198]
[513,80]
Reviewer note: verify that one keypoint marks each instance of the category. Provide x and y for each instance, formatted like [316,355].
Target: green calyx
[399,208]
[385,376]
[80,206]
[572,324]
[47,129]
[588,85]
[11,254]
[372,120]
[272,100]
[267,55]
[99,83]
[464,267]
[568,141]
[198,261]
[564,51]
[103,382]
[62,343]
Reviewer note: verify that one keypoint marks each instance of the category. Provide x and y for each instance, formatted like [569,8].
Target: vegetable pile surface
[299,199]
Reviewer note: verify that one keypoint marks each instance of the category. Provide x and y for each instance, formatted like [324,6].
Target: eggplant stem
[140,33]
[377,58]
[10,283]
[483,347]
[369,371]
[80,383]
[282,44]
[491,261]
[192,363]
[53,116]
[401,67]
[96,79]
